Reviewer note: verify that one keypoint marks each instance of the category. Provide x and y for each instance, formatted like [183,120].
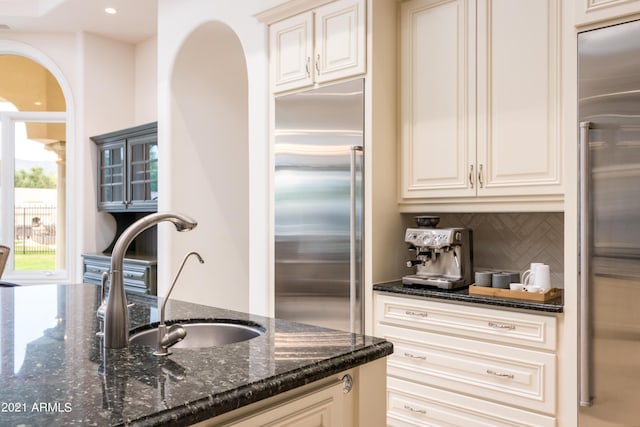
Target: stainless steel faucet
[116,313]
[175,333]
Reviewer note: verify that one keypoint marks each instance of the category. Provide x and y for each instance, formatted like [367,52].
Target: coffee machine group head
[442,256]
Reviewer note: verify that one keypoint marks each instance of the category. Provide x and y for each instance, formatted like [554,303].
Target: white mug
[528,276]
[542,277]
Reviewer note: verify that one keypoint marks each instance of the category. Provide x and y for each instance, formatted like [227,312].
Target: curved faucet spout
[116,315]
[166,298]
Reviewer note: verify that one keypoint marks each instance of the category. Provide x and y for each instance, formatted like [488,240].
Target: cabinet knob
[347,383]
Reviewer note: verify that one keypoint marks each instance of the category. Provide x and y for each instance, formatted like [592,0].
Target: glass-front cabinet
[128,169]
[111,175]
[142,173]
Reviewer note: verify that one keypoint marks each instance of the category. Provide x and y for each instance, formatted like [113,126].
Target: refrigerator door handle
[353,242]
[584,273]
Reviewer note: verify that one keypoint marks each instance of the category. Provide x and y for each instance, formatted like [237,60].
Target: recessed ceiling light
[38,103]
[111,10]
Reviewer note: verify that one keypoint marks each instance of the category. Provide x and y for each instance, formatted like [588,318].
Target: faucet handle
[103,303]
[103,285]
[168,337]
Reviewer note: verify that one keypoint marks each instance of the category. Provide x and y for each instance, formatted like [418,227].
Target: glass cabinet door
[143,171]
[111,178]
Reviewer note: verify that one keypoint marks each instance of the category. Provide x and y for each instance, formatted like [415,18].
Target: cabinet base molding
[549,204]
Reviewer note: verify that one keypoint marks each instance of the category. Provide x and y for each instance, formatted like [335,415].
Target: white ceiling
[135,21]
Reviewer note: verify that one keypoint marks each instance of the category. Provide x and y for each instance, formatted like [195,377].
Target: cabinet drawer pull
[413,356]
[502,326]
[307,67]
[480,180]
[416,313]
[318,64]
[500,374]
[471,176]
[414,410]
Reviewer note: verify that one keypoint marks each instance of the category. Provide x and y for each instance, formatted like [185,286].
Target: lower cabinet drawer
[488,324]
[412,405]
[93,272]
[522,377]
[137,277]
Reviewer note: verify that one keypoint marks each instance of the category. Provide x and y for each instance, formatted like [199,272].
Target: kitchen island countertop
[54,370]
[462,296]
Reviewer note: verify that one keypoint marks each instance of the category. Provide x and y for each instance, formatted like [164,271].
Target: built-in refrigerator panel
[609,114]
[318,206]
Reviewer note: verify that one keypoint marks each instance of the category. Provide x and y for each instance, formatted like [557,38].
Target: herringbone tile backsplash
[511,241]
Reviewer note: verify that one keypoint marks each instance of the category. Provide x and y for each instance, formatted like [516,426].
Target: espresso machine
[443,257]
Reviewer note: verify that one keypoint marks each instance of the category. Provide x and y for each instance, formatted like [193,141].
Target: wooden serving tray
[547,295]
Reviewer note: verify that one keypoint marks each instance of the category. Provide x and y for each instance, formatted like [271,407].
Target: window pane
[39,197]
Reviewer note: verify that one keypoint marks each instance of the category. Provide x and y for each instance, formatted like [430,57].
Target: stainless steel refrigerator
[319,206]
[609,115]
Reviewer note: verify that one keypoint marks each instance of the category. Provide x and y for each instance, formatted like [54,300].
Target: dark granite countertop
[462,295]
[54,371]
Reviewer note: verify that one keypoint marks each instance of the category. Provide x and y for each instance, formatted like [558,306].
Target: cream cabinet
[467,365]
[480,102]
[352,398]
[326,407]
[603,12]
[317,46]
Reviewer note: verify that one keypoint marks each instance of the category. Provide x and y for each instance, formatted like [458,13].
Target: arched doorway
[33,149]
[205,164]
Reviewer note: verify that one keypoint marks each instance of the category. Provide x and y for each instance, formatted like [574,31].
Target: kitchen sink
[203,334]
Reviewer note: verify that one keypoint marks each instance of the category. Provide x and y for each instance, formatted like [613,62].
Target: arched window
[33,151]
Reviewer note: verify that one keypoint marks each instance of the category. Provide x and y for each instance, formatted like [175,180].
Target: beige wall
[146,98]
[236,272]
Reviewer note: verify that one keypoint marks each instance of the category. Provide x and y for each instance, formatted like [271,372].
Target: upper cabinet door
[291,44]
[340,37]
[481,105]
[438,98]
[518,104]
[606,11]
[318,46]
[142,174]
[112,194]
